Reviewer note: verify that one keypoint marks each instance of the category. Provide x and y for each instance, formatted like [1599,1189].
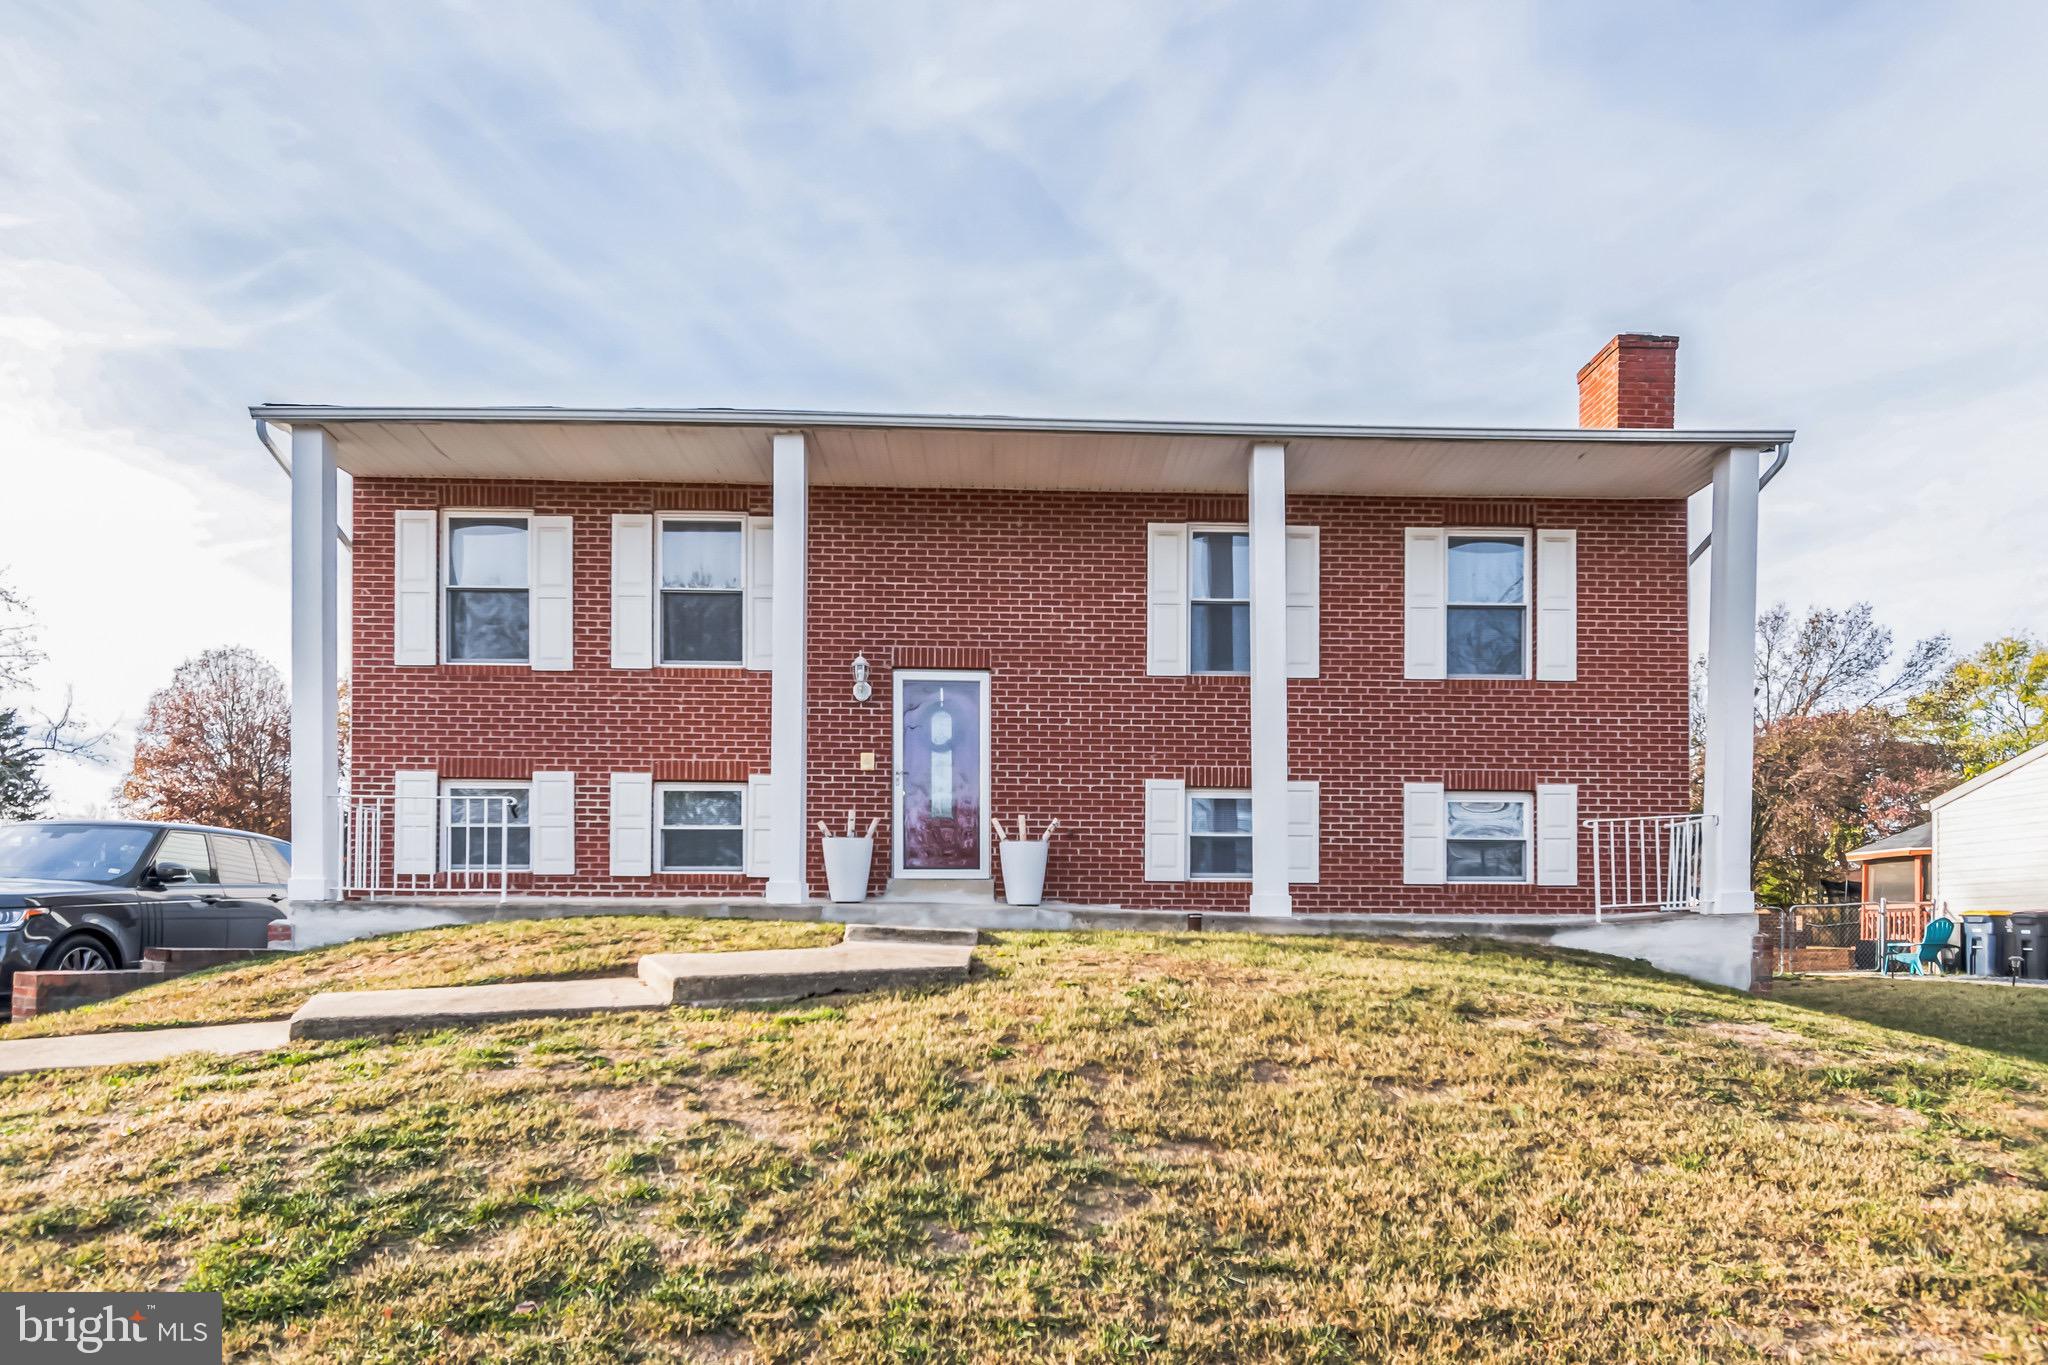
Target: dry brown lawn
[1105,1147]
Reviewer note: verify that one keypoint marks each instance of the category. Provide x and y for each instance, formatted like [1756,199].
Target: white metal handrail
[1648,862]
[429,845]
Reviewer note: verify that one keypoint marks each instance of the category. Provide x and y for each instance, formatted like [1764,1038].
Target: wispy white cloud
[1402,213]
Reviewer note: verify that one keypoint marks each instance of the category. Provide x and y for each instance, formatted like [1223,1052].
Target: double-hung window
[488,826]
[1486,603]
[703,590]
[489,612]
[1486,837]
[1219,600]
[703,828]
[1219,835]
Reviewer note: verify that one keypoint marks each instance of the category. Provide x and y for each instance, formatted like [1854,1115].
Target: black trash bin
[1984,940]
[2029,943]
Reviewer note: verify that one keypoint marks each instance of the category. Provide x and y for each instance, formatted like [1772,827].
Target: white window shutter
[1304,831]
[1304,601]
[633,591]
[417,577]
[632,824]
[760,627]
[552,574]
[1557,834]
[553,814]
[1422,833]
[760,821]
[1166,830]
[1166,599]
[1557,606]
[1423,598]
[415,822]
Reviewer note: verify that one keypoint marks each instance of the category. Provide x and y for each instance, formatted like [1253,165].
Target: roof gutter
[263,435]
[1784,454]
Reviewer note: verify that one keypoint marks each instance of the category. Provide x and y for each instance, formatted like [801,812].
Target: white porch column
[787,835]
[1731,685]
[316,643]
[1268,507]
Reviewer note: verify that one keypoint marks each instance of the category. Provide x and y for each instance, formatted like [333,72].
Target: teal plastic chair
[1923,960]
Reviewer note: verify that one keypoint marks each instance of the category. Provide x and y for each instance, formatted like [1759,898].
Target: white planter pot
[846,868]
[1024,870]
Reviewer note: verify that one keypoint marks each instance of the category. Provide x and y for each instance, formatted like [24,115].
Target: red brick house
[1290,670]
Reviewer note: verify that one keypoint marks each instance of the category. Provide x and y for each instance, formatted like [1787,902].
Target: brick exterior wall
[1632,382]
[1046,590]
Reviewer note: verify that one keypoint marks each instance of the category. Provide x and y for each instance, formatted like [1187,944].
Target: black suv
[90,895]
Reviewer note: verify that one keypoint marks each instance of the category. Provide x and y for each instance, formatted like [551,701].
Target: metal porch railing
[433,845]
[1647,862]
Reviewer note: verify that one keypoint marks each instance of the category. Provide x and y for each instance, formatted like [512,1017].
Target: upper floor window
[703,591]
[1486,603]
[488,589]
[1219,601]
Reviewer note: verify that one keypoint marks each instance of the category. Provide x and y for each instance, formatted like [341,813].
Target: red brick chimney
[1633,382]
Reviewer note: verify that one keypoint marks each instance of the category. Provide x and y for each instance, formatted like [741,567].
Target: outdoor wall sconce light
[862,689]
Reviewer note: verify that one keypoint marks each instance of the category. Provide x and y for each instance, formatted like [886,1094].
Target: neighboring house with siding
[1991,838]
[1278,669]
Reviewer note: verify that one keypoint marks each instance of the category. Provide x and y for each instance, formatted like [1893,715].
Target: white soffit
[970,452]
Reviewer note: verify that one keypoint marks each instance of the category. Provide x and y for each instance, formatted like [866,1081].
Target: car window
[235,860]
[187,848]
[72,853]
[271,857]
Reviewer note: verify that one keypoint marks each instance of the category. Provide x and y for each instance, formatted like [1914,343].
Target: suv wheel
[79,953]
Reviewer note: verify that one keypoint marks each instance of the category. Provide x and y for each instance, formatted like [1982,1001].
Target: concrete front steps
[872,957]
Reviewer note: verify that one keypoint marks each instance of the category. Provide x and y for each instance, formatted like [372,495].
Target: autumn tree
[215,746]
[1991,706]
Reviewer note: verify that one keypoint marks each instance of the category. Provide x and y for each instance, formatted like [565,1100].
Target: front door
[942,774]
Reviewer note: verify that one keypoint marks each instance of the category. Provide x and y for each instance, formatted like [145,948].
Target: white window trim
[1196,528]
[1188,853]
[1528,803]
[1527,605]
[446,837]
[449,516]
[739,519]
[743,828]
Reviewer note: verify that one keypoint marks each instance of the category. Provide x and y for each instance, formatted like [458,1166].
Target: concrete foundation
[1712,948]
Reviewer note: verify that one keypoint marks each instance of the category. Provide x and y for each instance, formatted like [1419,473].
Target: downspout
[1784,453]
[263,435]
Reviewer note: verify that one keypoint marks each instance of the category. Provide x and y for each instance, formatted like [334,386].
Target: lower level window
[488,827]
[1219,834]
[1486,837]
[703,828]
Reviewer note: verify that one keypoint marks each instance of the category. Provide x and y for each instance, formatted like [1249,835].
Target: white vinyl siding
[1422,833]
[416,575]
[1423,626]
[1557,606]
[1166,830]
[554,824]
[1557,834]
[631,824]
[1166,599]
[1304,832]
[633,591]
[553,576]
[416,822]
[1991,840]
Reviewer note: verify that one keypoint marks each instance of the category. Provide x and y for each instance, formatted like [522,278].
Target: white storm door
[940,821]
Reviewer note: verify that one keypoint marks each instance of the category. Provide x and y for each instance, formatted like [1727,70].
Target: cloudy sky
[1375,213]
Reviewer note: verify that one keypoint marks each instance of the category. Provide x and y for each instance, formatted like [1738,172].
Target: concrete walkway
[872,958]
[138,1045]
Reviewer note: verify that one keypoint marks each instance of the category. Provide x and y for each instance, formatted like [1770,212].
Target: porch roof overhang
[908,450]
